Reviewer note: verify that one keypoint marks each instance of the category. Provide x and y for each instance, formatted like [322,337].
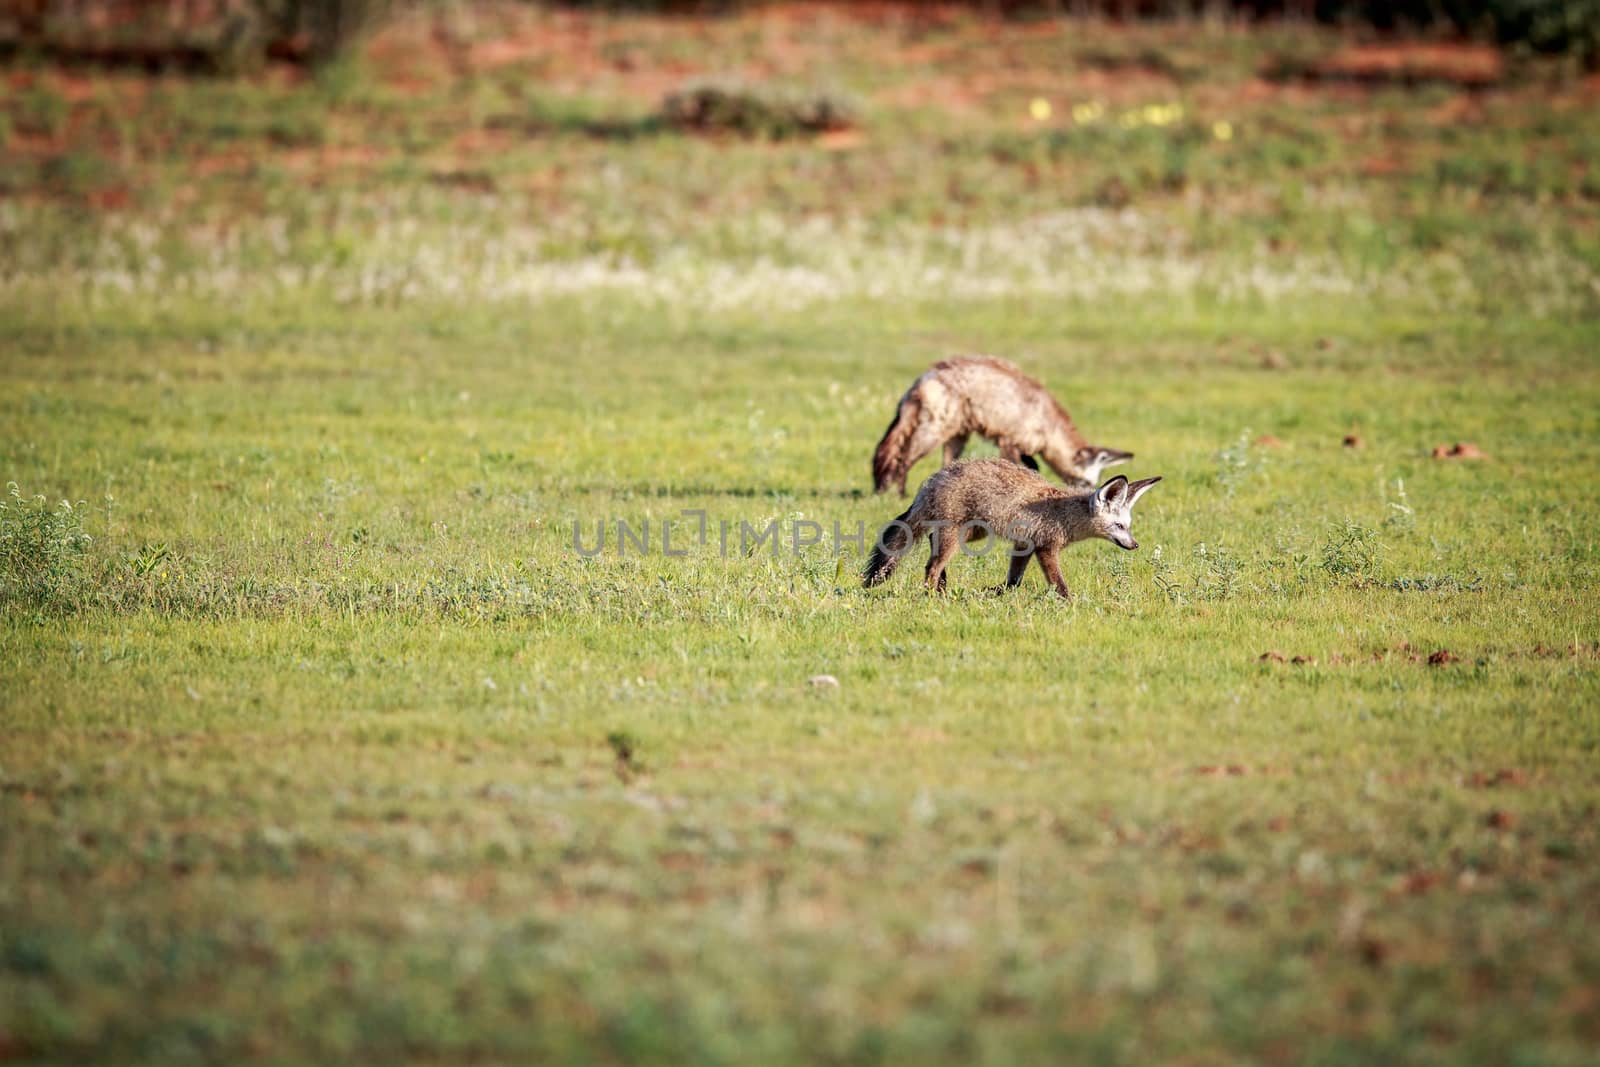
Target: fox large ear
[1110,494]
[1139,488]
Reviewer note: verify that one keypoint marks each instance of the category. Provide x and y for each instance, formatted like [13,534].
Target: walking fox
[968,501]
[956,398]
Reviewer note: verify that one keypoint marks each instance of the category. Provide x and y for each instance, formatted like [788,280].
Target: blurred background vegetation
[230,35]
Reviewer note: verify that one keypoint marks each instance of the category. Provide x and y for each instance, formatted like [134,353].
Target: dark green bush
[1548,25]
[1542,25]
[241,31]
[158,34]
[756,111]
[325,28]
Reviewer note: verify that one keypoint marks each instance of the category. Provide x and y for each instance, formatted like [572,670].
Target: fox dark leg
[942,545]
[1012,451]
[1019,567]
[953,449]
[1051,565]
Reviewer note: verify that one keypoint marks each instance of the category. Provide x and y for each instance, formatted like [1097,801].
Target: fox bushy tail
[887,549]
[889,461]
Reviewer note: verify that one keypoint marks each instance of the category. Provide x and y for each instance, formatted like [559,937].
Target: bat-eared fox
[956,398]
[971,500]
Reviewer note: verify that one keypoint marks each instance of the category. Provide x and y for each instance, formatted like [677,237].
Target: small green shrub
[1167,578]
[1236,463]
[41,548]
[42,111]
[1352,554]
[1219,574]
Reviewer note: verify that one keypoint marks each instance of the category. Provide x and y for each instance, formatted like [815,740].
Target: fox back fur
[968,501]
[956,398]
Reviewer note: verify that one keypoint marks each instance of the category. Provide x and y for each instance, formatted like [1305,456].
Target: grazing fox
[956,398]
[968,501]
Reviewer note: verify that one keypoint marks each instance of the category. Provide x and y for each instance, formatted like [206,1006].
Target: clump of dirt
[1352,440]
[1442,657]
[1417,883]
[1266,440]
[1274,656]
[1460,450]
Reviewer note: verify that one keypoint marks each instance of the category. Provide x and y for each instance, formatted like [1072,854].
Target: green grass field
[321,743]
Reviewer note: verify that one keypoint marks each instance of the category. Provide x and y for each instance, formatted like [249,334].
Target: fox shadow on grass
[706,489]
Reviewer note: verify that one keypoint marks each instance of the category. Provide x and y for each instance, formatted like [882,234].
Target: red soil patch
[1509,776]
[74,88]
[230,162]
[484,142]
[1382,166]
[113,199]
[331,157]
[1411,62]
[1417,883]
[489,55]
[1458,110]
[841,140]
[413,56]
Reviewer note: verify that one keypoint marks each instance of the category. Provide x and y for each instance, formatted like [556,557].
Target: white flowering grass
[374,256]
